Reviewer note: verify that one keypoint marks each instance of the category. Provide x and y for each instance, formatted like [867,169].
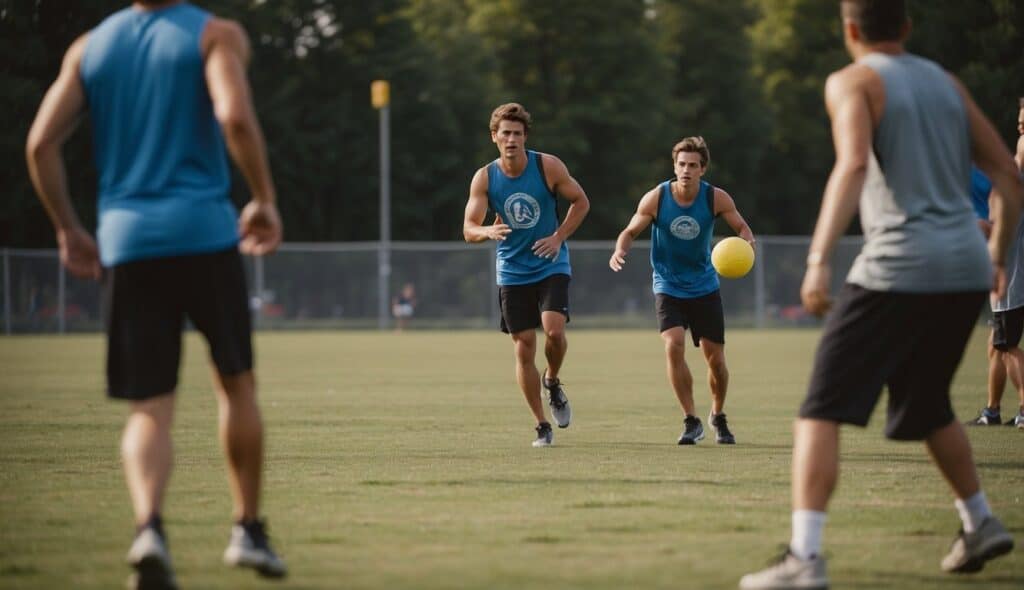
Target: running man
[905,133]
[686,287]
[164,85]
[523,186]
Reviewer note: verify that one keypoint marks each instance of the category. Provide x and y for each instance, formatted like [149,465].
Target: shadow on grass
[533,483]
[880,579]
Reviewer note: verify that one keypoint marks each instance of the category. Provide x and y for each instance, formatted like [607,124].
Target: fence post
[7,291]
[759,286]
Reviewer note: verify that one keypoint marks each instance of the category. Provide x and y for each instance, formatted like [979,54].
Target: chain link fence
[335,286]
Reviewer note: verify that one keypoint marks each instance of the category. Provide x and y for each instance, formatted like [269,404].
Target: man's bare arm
[726,207]
[58,116]
[226,52]
[852,128]
[646,211]
[473,229]
[1007,196]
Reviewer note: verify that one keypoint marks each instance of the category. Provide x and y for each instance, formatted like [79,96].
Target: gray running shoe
[151,560]
[723,435]
[986,417]
[250,547]
[789,572]
[693,431]
[544,435]
[560,409]
[970,551]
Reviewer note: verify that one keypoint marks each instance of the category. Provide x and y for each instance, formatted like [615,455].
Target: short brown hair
[878,20]
[511,111]
[1021,99]
[693,144]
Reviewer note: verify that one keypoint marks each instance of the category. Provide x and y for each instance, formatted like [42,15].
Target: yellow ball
[732,257]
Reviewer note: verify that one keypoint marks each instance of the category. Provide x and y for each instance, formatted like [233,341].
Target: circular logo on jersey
[685,227]
[521,211]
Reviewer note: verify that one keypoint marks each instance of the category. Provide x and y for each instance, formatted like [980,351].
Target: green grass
[404,461]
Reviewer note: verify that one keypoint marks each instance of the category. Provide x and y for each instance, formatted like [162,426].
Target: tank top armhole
[539,161]
[709,195]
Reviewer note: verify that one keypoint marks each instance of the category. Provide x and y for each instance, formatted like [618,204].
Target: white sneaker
[560,409]
[970,551]
[152,562]
[789,573]
[250,547]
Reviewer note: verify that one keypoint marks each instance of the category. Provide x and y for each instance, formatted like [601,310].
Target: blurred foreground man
[164,84]
[905,132]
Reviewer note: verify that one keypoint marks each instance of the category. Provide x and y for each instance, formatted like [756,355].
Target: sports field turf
[404,461]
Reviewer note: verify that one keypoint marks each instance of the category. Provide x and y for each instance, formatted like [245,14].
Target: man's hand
[497,232]
[259,226]
[814,293]
[548,247]
[618,260]
[78,253]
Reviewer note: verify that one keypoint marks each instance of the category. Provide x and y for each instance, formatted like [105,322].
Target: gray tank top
[1014,296]
[920,232]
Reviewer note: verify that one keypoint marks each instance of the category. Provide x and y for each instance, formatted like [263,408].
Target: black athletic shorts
[1007,327]
[702,316]
[521,305]
[912,342]
[145,304]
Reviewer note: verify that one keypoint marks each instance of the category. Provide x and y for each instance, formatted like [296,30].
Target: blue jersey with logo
[526,205]
[163,171]
[681,244]
[981,186]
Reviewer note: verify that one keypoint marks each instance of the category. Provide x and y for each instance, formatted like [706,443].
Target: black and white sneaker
[723,435]
[1017,420]
[560,409]
[250,547]
[986,417]
[151,559]
[544,435]
[693,431]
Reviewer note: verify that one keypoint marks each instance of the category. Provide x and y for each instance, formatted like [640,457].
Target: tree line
[611,86]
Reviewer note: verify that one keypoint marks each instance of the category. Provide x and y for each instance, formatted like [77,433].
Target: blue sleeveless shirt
[163,171]
[525,204]
[681,244]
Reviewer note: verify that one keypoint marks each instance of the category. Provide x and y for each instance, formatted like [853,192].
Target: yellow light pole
[380,98]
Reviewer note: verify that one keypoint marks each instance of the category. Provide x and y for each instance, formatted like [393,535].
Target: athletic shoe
[970,551]
[722,434]
[250,547]
[789,572]
[151,560]
[693,431]
[558,401]
[986,417]
[544,435]
[1017,420]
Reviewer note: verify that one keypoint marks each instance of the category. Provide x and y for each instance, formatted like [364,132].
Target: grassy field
[404,461]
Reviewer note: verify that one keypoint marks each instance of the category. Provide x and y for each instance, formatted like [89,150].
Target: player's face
[688,168]
[510,138]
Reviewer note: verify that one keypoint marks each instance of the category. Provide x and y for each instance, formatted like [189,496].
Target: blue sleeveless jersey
[681,244]
[163,171]
[526,205]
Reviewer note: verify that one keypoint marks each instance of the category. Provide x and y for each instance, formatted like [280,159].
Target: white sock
[973,511]
[808,526]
